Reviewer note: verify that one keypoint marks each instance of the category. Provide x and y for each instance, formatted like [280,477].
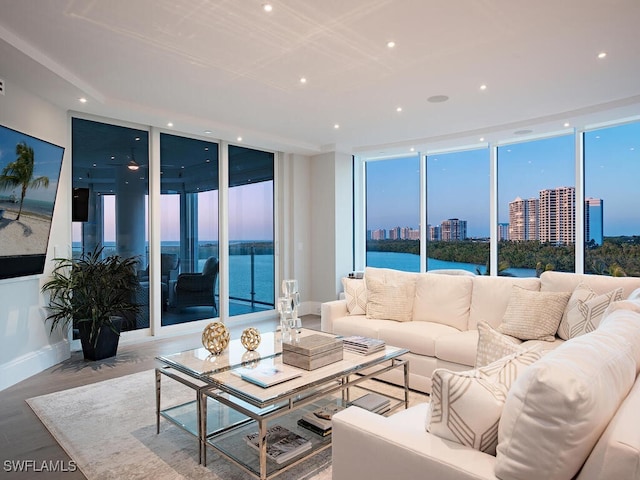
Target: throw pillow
[390,294]
[585,310]
[558,408]
[466,406]
[493,345]
[355,292]
[533,315]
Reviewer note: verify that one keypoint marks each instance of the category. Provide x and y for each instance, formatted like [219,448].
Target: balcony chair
[169,267]
[198,289]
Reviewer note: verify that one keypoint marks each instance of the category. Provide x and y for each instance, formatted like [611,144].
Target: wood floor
[24,438]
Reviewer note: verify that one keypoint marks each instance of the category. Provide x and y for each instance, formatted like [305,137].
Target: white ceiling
[229,67]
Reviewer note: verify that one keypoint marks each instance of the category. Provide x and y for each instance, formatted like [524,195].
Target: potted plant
[95,295]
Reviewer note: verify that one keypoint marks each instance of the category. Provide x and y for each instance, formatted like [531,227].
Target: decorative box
[313,351]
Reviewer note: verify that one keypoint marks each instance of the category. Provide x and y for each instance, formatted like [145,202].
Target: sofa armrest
[366,445]
[330,311]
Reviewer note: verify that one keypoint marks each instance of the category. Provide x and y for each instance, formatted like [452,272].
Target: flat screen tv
[29,174]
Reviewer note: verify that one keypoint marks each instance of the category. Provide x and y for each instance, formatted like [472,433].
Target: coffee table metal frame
[263,408]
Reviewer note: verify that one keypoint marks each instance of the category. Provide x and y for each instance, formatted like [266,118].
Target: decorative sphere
[215,337]
[250,338]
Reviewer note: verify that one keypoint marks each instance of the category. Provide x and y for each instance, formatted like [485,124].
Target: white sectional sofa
[561,413]
[444,312]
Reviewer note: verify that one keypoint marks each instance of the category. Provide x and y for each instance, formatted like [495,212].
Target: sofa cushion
[443,299]
[466,406]
[557,409]
[390,294]
[458,347]
[617,453]
[493,345]
[355,293]
[585,310]
[533,315]
[490,296]
[419,337]
[551,281]
[359,325]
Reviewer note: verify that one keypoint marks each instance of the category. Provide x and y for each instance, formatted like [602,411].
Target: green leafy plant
[91,290]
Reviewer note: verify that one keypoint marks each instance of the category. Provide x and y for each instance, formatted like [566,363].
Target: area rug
[109,430]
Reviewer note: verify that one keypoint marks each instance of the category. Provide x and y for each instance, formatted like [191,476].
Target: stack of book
[282,443]
[373,402]
[319,421]
[362,345]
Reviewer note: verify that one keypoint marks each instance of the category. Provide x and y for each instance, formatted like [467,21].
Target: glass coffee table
[227,408]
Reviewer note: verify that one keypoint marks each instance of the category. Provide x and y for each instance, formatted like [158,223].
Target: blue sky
[458,183]
[47,162]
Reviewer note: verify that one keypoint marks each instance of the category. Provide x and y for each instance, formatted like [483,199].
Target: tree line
[617,256]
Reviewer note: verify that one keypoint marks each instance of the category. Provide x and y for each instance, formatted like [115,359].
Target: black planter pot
[107,344]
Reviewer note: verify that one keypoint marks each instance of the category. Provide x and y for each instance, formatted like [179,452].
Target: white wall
[332,223]
[26,347]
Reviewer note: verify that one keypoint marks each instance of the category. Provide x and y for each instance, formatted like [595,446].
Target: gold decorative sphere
[250,338]
[215,337]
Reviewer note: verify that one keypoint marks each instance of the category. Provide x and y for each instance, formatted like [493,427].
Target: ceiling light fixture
[239,139]
[391,44]
[267,7]
[303,80]
[207,132]
[483,87]
[399,109]
[132,165]
[482,139]
[602,54]
[567,124]
[170,124]
[82,100]
[336,126]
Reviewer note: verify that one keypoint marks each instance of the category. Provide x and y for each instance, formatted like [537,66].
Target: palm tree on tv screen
[19,173]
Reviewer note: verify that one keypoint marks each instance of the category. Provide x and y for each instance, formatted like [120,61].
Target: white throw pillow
[584,311]
[355,293]
[466,406]
[533,315]
[493,345]
[557,409]
[443,299]
[390,294]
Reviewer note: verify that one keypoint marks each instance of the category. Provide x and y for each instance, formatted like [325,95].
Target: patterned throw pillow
[533,315]
[493,345]
[466,406]
[355,292]
[585,310]
[390,294]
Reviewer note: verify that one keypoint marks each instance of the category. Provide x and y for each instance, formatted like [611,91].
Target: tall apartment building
[433,233]
[379,234]
[503,231]
[523,219]
[453,229]
[558,215]
[394,233]
[593,219]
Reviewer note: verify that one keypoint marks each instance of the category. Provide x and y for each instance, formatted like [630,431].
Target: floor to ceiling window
[251,230]
[458,222]
[536,206]
[612,200]
[189,258]
[111,164]
[393,213]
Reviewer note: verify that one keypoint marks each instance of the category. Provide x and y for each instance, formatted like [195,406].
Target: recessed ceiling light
[483,87]
[412,149]
[482,139]
[170,124]
[267,7]
[336,126]
[391,44]
[602,54]
[399,109]
[303,80]
[239,139]
[208,132]
[437,99]
[82,100]
[137,139]
[567,124]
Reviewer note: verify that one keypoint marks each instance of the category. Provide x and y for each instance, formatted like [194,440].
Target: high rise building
[503,231]
[379,234]
[433,233]
[453,229]
[593,216]
[523,219]
[558,216]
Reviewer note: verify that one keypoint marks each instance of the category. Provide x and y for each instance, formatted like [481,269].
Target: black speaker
[80,205]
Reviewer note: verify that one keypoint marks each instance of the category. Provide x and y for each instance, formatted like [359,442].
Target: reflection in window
[251,230]
[612,200]
[458,211]
[188,229]
[393,213]
[536,206]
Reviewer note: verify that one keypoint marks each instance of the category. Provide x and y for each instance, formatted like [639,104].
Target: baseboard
[309,308]
[33,362]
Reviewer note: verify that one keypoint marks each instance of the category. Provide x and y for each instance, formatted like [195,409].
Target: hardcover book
[267,375]
[282,443]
